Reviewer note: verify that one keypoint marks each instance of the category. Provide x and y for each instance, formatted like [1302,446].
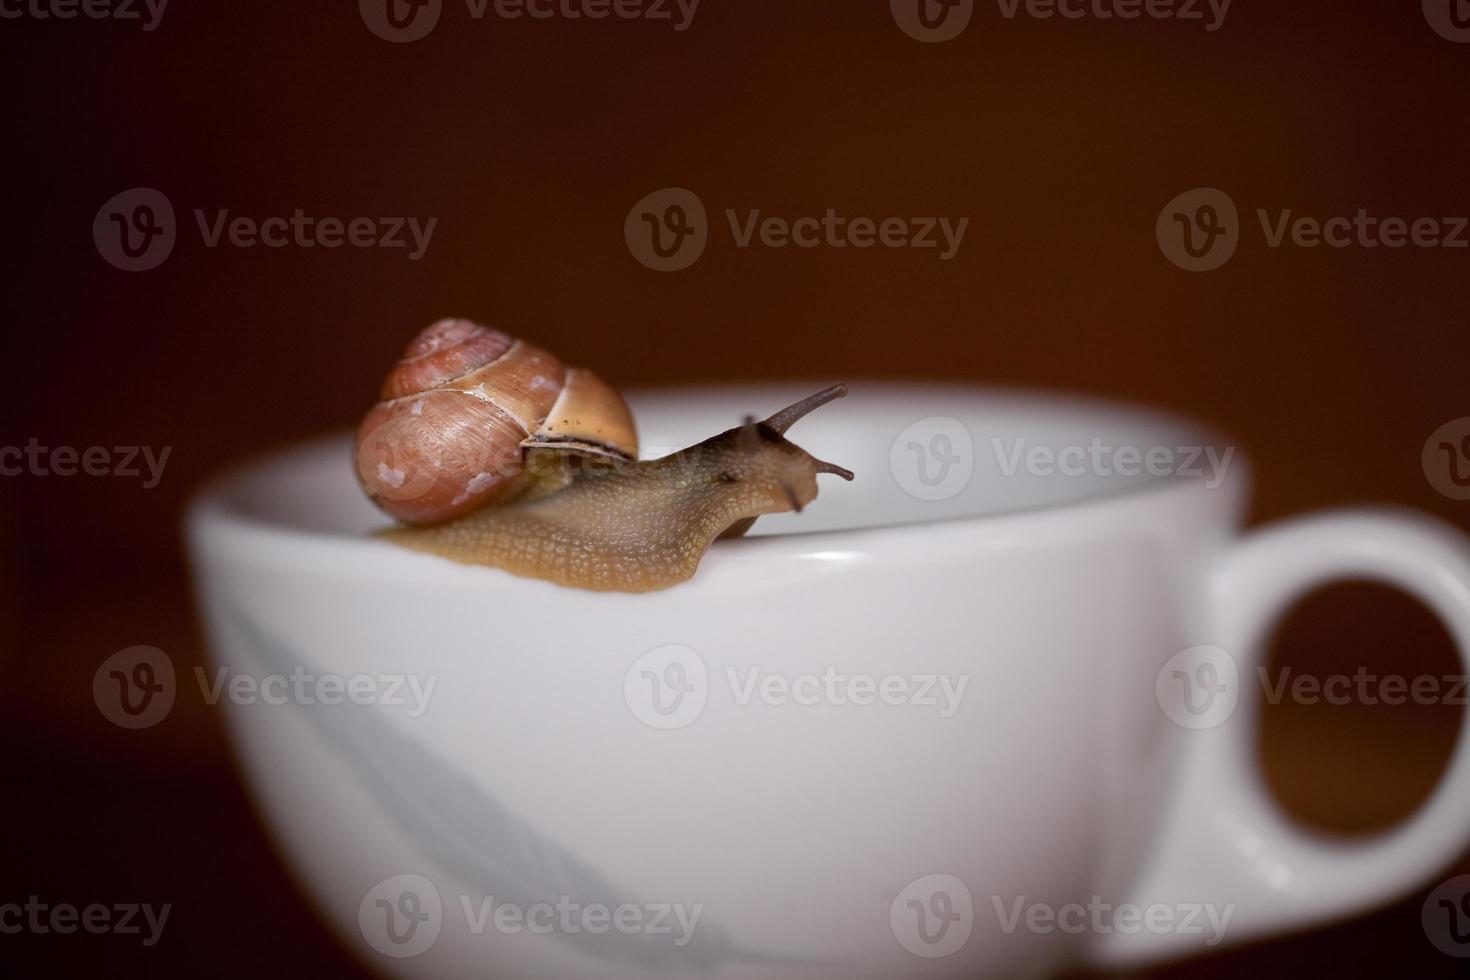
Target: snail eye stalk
[791,414]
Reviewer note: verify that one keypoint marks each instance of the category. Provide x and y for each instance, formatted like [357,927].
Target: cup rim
[217,505]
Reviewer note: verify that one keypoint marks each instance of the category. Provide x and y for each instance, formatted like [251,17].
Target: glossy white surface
[802,831]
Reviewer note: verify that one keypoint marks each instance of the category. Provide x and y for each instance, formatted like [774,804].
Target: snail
[490,451]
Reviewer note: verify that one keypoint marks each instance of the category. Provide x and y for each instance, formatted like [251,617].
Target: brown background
[530,141]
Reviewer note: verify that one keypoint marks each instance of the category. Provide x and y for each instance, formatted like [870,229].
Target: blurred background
[529,141]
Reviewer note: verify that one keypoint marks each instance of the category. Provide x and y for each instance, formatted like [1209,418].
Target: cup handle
[1224,841]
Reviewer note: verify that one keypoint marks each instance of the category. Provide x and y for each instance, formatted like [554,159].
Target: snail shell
[459,413]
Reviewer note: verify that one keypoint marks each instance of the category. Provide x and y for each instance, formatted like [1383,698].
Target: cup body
[864,750]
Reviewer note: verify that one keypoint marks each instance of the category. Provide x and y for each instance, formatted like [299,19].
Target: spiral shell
[458,412]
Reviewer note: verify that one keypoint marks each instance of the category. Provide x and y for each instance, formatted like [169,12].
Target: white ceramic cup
[974,714]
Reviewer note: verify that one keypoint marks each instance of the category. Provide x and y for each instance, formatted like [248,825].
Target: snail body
[575,506]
